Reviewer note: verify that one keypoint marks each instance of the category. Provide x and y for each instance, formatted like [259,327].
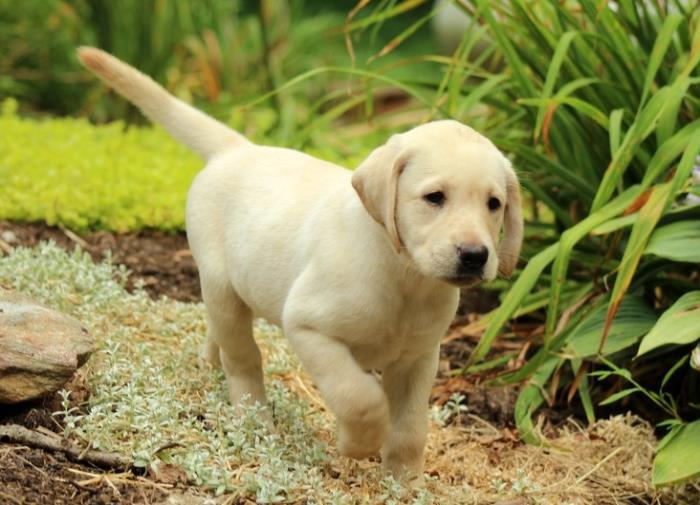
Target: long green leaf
[520,289]
[530,398]
[615,224]
[383,15]
[649,216]
[539,160]
[551,79]
[569,239]
[341,70]
[644,124]
[658,52]
[577,104]
[524,80]
[618,396]
[669,151]
[584,391]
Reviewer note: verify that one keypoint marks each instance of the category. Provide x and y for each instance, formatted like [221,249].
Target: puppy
[362,270]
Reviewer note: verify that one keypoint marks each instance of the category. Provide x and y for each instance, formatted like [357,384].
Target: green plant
[37,66]
[599,108]
[85,177]
[219,54]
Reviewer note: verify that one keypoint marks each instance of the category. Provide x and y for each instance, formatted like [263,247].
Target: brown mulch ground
[161,261]
[35,476]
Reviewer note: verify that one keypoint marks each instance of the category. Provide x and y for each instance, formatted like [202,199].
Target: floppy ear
[509,249]
[376,182]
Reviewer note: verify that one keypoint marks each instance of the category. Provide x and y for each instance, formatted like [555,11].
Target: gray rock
[40,349]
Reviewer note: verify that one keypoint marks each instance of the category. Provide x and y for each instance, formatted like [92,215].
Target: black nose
[472,258]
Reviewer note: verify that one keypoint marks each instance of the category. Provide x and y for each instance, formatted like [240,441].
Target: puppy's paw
[362,433]
[404,460]
[360,444]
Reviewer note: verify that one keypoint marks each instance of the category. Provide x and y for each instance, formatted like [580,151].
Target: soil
[160,261]
[35,476]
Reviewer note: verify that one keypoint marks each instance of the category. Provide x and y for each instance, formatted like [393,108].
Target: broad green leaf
[677,460]
[633,320]
[679,241]
[680,324]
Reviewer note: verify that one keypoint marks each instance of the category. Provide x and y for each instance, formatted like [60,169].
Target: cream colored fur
[360,270]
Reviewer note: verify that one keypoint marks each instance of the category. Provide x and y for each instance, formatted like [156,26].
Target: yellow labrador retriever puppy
[362,270]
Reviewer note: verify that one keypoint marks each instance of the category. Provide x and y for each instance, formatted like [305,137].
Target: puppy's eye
[494,204]
[436,198]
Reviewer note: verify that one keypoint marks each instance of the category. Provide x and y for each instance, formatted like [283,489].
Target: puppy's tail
[201,133]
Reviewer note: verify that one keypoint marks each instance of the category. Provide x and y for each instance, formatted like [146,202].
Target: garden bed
[146,390]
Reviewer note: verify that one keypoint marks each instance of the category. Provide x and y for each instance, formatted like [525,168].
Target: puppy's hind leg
[230,342]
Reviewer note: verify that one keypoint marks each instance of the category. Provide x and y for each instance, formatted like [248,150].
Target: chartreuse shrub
[68,172]
[71,173]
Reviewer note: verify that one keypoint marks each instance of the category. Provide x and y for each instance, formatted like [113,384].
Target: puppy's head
[443,193]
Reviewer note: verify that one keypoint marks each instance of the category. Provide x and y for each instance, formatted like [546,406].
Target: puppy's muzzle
[471,259]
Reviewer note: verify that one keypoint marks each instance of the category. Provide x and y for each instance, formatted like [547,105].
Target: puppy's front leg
[408,384]
[353,395]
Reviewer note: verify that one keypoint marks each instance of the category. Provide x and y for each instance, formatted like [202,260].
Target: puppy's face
[444,192]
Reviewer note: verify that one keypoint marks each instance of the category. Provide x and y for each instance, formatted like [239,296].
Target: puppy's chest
[381,339]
